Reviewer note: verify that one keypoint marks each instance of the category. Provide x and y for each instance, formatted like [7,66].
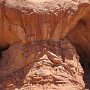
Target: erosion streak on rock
[35,44]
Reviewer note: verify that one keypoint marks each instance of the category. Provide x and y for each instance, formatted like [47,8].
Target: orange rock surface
[36,36]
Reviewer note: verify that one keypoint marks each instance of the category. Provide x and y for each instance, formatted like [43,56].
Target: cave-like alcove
[79,36]
[84,60]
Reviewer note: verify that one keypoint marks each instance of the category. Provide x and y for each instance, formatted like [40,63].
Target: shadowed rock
[4,46]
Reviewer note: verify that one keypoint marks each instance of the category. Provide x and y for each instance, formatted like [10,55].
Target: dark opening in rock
[79,36]
[3,46]
[83,55]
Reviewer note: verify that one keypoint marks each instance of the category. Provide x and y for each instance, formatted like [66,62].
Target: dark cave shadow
[86,76]
[84,58]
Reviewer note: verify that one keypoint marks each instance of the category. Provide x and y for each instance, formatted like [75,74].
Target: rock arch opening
[79,36]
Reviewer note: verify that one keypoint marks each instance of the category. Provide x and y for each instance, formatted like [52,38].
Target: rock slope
[35,67]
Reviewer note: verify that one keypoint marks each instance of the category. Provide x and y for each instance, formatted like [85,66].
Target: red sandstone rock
[40,57]
[27,21]
[27,68]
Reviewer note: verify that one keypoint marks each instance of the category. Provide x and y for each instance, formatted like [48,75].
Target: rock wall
[27,22]
[38,56]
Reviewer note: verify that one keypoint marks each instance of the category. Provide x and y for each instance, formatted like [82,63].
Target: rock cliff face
[27,21]
[37,37]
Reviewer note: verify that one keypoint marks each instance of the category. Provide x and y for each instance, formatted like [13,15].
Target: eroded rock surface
[39,56]
[26,21]
[41,66]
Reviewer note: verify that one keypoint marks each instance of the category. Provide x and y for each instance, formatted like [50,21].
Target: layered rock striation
[27,21]
[37,37]
[52,66]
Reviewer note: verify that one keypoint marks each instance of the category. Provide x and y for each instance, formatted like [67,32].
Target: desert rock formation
[35,44]
[35,67]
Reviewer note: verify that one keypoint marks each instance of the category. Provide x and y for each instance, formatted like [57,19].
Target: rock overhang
[63,15]
[39,23]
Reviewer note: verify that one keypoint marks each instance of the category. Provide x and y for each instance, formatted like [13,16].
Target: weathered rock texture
[26,21]
[80,37]
[40,57]
[40,68]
